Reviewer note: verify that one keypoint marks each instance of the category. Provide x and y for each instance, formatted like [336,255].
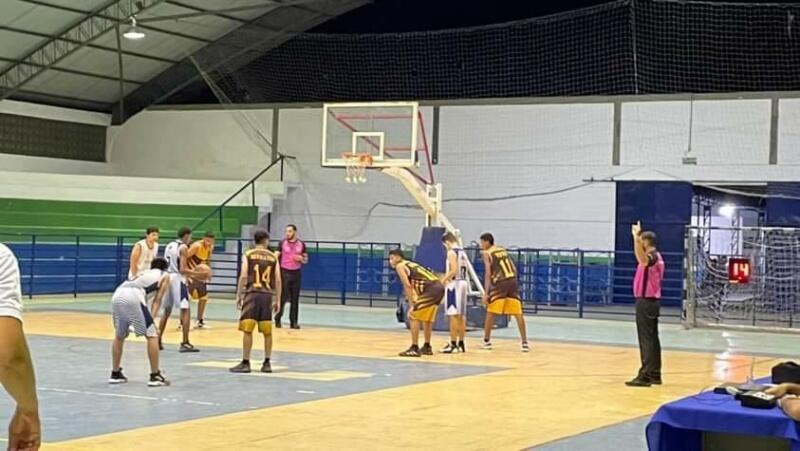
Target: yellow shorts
[425,314]
[249,325]
[505,306]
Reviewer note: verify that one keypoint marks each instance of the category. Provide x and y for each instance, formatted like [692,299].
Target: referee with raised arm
[16,369]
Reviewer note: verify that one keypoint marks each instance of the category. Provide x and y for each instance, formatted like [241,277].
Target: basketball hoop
[355,165]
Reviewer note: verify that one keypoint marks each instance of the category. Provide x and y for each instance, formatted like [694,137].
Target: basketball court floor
[339,385]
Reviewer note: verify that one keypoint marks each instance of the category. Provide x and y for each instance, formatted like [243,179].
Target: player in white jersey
[143,253]
[129,306]
[456,292]
[177,255]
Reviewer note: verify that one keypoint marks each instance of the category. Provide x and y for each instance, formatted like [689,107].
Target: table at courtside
[680,425]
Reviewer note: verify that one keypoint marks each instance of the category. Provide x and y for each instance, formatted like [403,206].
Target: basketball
[204,271]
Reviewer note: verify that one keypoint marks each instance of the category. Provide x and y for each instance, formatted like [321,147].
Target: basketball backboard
[387,131]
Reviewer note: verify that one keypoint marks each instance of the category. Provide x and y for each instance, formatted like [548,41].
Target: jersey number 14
[258,278]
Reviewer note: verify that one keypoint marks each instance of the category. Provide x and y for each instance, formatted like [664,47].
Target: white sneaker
[487,345]
[525,347]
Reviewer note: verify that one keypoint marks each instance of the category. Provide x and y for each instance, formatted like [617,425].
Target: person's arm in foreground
[789,405]
[16,375]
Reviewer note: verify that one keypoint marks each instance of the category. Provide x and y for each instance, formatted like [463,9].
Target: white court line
[307,392]
[122,395]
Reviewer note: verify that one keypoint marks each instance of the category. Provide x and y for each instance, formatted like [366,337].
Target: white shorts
[455,298]
[129,310]
[178,293]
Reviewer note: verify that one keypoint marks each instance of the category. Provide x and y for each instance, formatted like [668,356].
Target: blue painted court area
[77,401]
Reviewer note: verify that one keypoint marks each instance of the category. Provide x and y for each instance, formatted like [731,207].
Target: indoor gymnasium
[397,224]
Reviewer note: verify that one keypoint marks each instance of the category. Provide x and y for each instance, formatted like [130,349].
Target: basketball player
[259,298]
[177,255]
[200,253]
[143,252]
[129,306]
[502,290]
[456,291]
[424,292]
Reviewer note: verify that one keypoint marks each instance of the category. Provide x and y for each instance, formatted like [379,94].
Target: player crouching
[129,306]
[424,292]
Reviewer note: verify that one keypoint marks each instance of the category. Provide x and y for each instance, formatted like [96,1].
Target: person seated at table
[788,398]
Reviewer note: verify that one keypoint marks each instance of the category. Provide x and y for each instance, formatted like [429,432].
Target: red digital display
[739,270]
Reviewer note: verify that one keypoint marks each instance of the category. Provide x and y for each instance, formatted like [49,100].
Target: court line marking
[123,395]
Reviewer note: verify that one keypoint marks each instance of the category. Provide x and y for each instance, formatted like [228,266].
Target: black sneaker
[242,367]
[278,324]
[200,324]
[157,380]
[426,349]
[638,382]
[295,326]
[413,351]
[656,381]
[187,347]
[462,347]
[266,367]
[450,348]
[117,377]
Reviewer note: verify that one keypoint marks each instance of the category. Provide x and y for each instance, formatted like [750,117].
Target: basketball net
[355,165]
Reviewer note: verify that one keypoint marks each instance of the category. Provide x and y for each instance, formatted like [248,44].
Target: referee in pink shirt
[293,255]
[647,291]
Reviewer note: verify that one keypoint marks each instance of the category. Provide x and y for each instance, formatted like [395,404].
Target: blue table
[679,425]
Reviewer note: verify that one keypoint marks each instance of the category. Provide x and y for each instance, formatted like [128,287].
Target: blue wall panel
[664,208]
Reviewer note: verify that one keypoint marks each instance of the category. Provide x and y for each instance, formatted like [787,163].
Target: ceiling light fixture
[133,33]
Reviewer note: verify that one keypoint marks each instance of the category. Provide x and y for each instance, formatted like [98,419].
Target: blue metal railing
[577,282]
[220,209]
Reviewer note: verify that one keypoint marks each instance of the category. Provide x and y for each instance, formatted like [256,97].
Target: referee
[292,254]
[647,291]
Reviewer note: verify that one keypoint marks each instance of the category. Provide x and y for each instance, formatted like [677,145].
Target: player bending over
[258,293]
[129,306]
[502,290]
[457,290]
[424,292]
[200,253]
[177,255]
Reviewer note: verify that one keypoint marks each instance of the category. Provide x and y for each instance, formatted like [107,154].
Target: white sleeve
[10,294]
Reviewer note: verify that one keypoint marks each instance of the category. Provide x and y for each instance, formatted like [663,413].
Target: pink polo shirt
[648,278]
[290,249]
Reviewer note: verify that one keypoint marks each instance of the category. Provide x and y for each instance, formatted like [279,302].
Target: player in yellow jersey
[502,290]
[424,292]
[200,253]
[258,294]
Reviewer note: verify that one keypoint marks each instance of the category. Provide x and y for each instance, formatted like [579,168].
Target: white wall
[546,152]
[541,152]
[324,206]
[214,145]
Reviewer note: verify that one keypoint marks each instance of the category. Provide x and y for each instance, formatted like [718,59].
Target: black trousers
[290,292]
[647,313]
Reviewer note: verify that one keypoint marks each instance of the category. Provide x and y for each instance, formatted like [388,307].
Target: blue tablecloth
[678,426]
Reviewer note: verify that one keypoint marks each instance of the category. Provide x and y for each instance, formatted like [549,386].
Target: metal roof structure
[72,53]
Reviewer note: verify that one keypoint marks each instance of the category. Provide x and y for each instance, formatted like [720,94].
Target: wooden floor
[556,391]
